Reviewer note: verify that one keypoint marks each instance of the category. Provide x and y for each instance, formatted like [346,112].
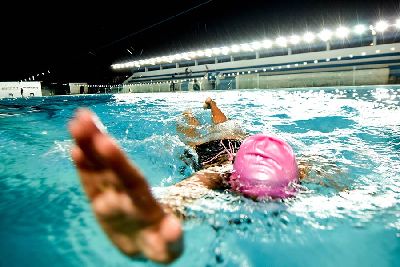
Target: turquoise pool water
[346,214]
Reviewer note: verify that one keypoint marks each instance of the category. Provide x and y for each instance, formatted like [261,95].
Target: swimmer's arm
[323,170]
[192,188]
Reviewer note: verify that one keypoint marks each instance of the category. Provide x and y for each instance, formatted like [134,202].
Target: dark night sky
[79,42]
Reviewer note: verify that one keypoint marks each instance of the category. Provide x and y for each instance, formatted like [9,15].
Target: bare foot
[120,196]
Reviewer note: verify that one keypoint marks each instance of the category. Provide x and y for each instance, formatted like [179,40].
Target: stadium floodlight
[381,26]
[342,32]
[255,45]
[225,50]
[267,43]
[200,53]
[235,48]
[281,41]
[308,37]
[360,29]
[216,51]
[294,39]
[246,47]
[192,54]
[325,35]
[208,52]
[186,56]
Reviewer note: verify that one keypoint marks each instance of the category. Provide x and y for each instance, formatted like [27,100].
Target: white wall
[14,88]
[314,79]
[75,88]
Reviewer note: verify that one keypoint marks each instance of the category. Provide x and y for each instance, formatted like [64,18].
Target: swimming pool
[347,216]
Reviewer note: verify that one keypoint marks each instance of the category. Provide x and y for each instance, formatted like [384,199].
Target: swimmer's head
[264,166]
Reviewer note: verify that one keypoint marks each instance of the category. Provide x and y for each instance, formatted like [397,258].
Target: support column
[328,46]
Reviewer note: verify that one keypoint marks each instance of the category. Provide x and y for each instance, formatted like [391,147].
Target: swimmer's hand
[207,103]
[120,196]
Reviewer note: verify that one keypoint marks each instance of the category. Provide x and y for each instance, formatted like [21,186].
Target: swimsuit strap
[231,152]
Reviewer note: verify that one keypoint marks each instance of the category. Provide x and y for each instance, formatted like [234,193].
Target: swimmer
[140,225]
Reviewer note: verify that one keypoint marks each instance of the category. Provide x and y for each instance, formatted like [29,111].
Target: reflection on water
[348,207]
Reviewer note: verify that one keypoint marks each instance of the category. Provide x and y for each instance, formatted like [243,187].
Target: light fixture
[325,35]
[308,37]
[281,41]
[245,47]
[342,32]
[360,29]
[294,39]
[256,45]
[381,26]
[235,48]
[267,43]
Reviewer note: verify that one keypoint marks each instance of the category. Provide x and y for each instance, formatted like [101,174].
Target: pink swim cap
[264,166]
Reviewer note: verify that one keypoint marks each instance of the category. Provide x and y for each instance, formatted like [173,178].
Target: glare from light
[192,54]
[225,50]
[308,37]
[325,35]
[381,26]
[267,43]
[294,39]
[256,45]
[245,47]
[208,52]
[398,23]
[281,41]
[186,56]
[360,29]
[342,32]
[200,53]
[216,51]
[235,48]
